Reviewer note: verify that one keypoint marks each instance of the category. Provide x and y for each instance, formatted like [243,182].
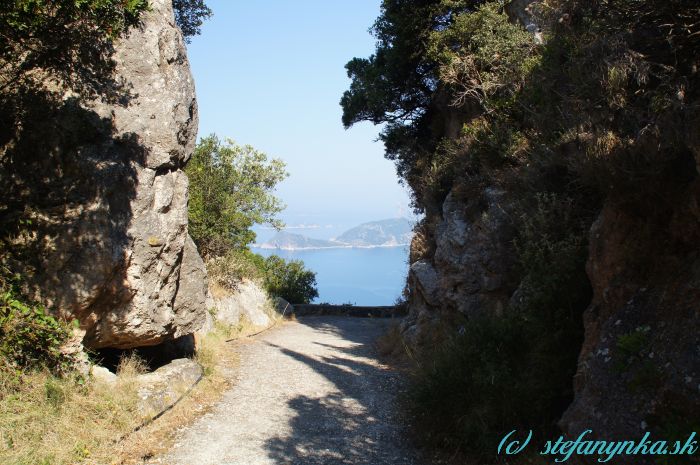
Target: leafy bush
[230,191]
[552,253]
[29,336]
[189,16]
[470,390]
[481,53]
[290,280]
[498,374]
[287,279]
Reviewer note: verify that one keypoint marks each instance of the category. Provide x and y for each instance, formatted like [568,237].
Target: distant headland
[394,232]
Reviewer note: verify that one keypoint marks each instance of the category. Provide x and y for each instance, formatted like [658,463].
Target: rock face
[620,342]
[165,386]
[639,364]
[639,367]
[110,246]
[249,301]
[470,270]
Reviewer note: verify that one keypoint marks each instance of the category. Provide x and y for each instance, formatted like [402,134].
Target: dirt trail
[309,392]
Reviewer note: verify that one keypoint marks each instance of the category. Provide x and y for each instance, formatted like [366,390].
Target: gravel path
[309,392]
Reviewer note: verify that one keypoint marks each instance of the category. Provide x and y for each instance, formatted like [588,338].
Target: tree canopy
[190,15]
[72,39]
[231,189]
[290,280]
[396,85]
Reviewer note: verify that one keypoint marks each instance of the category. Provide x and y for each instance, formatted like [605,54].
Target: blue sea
[373,276]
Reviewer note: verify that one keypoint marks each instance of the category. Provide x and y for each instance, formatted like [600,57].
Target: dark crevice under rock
[153,356]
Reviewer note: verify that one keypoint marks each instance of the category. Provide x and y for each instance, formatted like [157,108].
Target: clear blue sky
[271,74]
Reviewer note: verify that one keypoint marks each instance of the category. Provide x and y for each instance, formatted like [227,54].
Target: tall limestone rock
[108,242]
[467,267]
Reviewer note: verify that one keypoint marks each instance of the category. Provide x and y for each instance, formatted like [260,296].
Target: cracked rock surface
[109,243]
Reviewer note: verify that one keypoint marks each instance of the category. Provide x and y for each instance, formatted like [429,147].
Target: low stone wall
[348,310]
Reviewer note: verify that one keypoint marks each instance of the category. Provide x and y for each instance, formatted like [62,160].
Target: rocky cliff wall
[462,265]
[106,198]
[638,367]
[247,304]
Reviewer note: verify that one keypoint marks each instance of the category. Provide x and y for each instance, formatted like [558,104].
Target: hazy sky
[271,74]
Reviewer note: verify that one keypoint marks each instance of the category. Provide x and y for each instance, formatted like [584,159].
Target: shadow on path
[356,422]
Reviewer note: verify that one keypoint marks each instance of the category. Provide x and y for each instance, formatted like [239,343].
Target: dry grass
[212,348]
[216,354]
[218,291]
[159,437]
[49,420]
[392,346]
[46,420]
[216,357]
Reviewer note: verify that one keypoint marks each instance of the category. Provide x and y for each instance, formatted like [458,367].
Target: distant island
[393,232]
[292,241]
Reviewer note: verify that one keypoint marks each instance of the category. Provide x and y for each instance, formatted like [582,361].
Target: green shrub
[287,279]
[439,173]
[493,142]
[498,374]
[675,422]
[29,336]
[551,250]
[481,54]
[552,295]
[633,343]
[290,280]
[231,189]
[464,395]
